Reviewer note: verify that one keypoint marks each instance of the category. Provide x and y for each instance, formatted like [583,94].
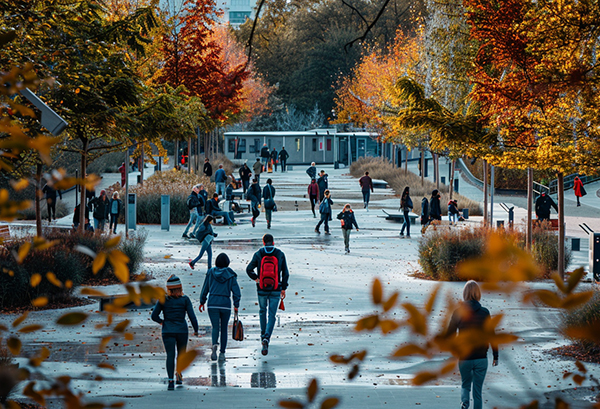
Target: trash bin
[575,244]
[465,213]
[499,223]
[336,164]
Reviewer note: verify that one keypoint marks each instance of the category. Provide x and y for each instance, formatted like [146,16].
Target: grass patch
[398,180]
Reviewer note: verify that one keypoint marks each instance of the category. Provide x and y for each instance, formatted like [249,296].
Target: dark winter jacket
[543,205]
[174,311]
[50,192]
[101,208]
[452,209]
[406,204]
[366,183]
[424,211]
[268,193]
[264,152]
[313,189]
[219,284]
[435,208]
[203,195]
[76,214]
[119,206]
[220,176]
[245,172]
[193,201]
[204,230]
[207,169]
[471,315]
[274,155]
[283,155]
[312,172]
[253,193]
[212,206]
[284,274]
[323,182]
[325,206]
[348,220]
[229,192]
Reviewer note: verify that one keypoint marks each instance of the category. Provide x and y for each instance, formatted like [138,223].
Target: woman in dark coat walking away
[174,325]
[268,195]
[578,189]
[406,205]
[470,316]
[205,236]
[325,210]
[348,220]
[435,207]
[101,207]
[313,195]
[115,211]
[219,285]
[254,195]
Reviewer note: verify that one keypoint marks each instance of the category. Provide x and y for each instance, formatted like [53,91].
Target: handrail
[569,181]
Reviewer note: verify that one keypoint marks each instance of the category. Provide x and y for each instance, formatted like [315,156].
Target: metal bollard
[575,244]
[500,223]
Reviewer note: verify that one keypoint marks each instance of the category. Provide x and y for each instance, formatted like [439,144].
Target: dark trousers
[51,204]
[113,222]
[274,165]
[313,202]
[255,209]
[406,223]
[324,219]
[172,341]
[283,162]
[245,184]
[219,318]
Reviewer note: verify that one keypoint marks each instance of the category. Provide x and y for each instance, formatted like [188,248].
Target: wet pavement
[328,292]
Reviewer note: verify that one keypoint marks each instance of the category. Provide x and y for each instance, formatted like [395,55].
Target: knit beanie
[222,260]
[173,282]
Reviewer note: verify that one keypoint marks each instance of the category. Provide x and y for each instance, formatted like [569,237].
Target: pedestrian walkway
[328,292]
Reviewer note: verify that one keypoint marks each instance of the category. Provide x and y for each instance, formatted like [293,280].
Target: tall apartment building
[235,12]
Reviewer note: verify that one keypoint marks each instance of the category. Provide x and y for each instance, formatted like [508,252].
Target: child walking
[174,325]
[348,220]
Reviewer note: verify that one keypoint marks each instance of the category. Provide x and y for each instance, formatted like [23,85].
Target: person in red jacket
[313,195]
[578,189]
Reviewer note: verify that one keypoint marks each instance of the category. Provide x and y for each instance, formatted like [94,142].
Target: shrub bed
[585,316]
[398,180]
[441,250]
[71,267]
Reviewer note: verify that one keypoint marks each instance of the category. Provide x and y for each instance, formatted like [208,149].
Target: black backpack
[424,211]
[190,202]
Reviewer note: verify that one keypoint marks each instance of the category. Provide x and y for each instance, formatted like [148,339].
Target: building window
[238,17]
[297,144]
[314,144]
[241,145]
[240,3]
[329,144]
[231,145]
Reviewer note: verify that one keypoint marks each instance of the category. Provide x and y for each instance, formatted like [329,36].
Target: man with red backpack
[271,282]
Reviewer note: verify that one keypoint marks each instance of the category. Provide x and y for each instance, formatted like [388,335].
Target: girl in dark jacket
[101,206]
[115,210]
[205,236]
[268,195]
[174,325]
[348,220]
[470,316]
[313,195]
[219,285]
[453,211]
[406,205]
[325,210]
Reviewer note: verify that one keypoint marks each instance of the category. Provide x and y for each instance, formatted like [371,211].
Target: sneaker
[253,222]
[464,405]
[401,234]
[317,231]
[171,386]
[179,378]
[265,347]
[191,265]
[221,356]
[213,355]
[268,225]
[184,236]
[408,237]
[327,233]
[191,236]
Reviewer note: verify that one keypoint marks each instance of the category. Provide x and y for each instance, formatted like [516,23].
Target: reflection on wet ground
[263,380]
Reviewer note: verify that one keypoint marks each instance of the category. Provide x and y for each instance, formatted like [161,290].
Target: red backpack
[269,273]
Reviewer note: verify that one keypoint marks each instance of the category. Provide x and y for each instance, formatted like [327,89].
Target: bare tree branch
[249,44]
[356,11]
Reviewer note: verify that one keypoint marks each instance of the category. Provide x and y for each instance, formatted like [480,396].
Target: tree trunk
[436,170]
[451,178]
[38,196]
[485,193]
[529,207]
[142,164]
[206,146]
[406,162]
[189,159]
[561,225]
[422,159]
[176,155]
[82,204]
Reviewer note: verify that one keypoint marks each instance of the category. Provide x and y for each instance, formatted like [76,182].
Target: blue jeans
[266,163]
[227,216]
[221,188]
[472,371]
[206,247]
[268,303]
[366,197]
[171,341]
[99,224]
[219,318]
[192,222]
[406,224]
[324,219]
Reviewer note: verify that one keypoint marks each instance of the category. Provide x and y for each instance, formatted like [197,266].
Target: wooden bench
[399,218]
[553,225]
[108,299]
[4,233]
[379,184]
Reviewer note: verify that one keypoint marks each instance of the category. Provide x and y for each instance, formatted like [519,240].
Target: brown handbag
[237,332]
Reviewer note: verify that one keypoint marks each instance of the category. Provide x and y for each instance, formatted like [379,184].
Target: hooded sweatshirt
[471,315]
[220,283]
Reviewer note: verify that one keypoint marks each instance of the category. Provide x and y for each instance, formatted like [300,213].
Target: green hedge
[585,316]
[64,261]
[441,250]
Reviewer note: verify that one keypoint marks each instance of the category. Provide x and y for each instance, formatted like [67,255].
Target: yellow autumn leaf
[14,345]
[184,360]
[53,280]
[20,319]
[112,242]
[35,280]
[23,251]
[99,262]
[377,291]
[40,302]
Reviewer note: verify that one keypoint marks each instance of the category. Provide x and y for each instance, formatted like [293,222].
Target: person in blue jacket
[205,236]
[174,325]
[325,210]
[219,285]
[220,180]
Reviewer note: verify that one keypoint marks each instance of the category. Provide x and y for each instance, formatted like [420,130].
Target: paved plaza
[328,291]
